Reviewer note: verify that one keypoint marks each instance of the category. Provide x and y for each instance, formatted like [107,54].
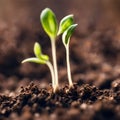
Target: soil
[25,89]
[83,102]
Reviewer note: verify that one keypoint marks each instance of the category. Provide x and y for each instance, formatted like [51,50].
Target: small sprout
[66,39]
[65,23]
[49,23]
[42,59]
[50,26]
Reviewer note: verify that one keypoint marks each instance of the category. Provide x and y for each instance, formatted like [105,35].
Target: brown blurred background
[86,12]
[98,30]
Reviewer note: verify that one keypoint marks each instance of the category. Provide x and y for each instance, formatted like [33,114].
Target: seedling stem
[68,67]
[53,42]
[52,75]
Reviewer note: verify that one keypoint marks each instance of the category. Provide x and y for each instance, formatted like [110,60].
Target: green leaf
[67,34]
[49,22]
[37,50]
[34,60]
[65,23]
[44,57]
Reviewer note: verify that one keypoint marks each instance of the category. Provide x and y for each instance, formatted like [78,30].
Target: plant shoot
[66,40]
[50,26]
[42,59]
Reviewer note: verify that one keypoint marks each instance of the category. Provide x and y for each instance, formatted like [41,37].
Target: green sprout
[41,59]
[66,40]
[50,26]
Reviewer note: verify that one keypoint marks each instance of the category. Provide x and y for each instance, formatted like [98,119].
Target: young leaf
[49,23]
[65,23]
[34,60]
[37,50]
[44,57]
[67,34]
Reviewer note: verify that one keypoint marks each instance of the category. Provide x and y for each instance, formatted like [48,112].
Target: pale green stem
[54,62]
[68,67]
[52,75]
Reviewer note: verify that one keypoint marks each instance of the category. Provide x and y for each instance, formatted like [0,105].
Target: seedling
[42,59]
[50,26]
[66,40]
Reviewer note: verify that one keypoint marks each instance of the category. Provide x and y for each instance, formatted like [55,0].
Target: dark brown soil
[83,102]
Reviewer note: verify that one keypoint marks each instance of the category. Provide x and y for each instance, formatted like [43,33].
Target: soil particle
[66,104]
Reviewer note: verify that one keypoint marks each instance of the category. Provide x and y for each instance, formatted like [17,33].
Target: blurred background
[94,47]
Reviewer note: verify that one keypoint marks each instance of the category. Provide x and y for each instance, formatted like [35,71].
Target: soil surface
[25,89]
[83,102]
